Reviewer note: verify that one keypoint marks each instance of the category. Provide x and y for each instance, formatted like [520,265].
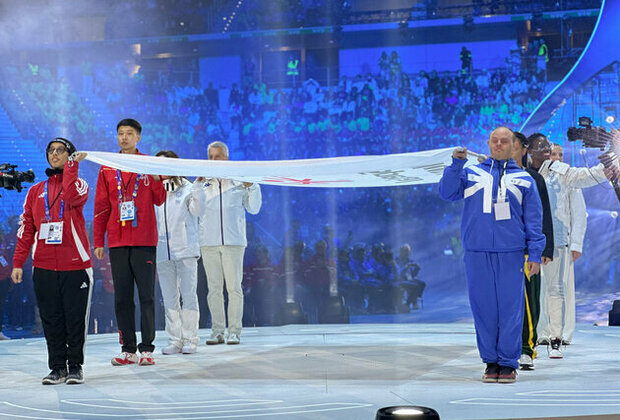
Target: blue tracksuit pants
[495,284]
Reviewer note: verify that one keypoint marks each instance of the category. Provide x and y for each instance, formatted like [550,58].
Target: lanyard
[47,206]
[501,189]
[135,188]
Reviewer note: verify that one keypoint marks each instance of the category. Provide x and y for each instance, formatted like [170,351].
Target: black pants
[64,304]
[134,264]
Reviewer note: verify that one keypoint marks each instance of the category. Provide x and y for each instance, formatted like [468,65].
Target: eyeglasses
[58,150]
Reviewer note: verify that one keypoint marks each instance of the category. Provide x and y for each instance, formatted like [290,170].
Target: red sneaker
[146,358]
[125,359]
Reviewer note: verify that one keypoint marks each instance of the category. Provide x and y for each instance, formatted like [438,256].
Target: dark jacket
[547,222]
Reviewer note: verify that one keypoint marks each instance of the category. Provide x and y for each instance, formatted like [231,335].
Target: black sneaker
[507,375]
[55,377]
[491,373]
[75,375]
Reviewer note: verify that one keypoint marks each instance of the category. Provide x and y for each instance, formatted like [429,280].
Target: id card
[54,233]
[502,210]
[128,211]
[3,261]
[43,230]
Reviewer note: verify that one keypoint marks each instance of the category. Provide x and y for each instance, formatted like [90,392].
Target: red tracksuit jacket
[107,215]
[74,251]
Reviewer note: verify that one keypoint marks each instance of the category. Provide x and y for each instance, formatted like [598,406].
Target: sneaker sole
[213,343]
[146,363]
[74,381]
[556,357]
[506,381]
[526,367]
[489,380]
[114,363]
[50,382]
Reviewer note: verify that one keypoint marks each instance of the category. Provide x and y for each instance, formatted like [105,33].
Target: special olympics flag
[351,171]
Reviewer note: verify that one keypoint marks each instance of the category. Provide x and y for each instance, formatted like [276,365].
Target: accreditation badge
[128,211]
[54,233]
[502,211]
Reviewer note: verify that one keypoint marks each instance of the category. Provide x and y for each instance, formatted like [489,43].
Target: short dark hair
[129,122]
[537,137]
[522,139]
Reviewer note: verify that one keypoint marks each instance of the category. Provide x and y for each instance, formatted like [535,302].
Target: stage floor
[317,372]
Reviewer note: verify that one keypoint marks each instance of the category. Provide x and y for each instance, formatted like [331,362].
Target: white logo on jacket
[484,181]
[81,186]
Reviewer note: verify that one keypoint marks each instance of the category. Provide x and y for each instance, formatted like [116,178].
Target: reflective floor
[317,372]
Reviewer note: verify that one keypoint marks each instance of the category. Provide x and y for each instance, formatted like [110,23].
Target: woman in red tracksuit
[53,222]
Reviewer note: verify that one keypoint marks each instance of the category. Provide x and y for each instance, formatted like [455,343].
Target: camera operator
[560,179]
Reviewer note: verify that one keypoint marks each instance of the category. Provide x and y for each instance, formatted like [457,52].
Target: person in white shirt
[558,275]
[222,245]
[177,260]
[576,233]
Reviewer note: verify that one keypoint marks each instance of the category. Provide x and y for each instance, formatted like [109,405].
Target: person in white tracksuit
[558,275]
[222,245]
[565,270]
[178,251]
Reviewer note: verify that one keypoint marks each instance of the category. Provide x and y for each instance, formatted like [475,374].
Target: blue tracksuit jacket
[478,185]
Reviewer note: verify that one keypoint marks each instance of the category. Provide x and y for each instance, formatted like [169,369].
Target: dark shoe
[55,377]
[507,375]
[491,373]
[75,375]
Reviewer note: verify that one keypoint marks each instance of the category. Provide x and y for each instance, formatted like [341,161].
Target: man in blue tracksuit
[502,216]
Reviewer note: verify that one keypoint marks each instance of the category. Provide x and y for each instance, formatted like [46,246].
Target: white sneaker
[189,349]
[125,359]
[526,362]
[146,358]
[555,351]
[215,339]
[233,338]
[170,349]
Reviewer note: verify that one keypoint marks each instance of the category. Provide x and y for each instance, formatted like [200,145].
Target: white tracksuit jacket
[177,258]
[557,318]
[222,221]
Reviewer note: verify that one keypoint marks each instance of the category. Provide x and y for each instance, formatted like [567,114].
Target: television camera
[11,179]
[599,138]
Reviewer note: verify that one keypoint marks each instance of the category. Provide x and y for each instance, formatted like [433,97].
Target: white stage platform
[317,372]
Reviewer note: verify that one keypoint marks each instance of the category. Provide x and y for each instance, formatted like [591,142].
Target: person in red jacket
[124,208]
[53,221]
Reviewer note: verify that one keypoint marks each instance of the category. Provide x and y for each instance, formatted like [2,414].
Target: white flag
[351,171]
